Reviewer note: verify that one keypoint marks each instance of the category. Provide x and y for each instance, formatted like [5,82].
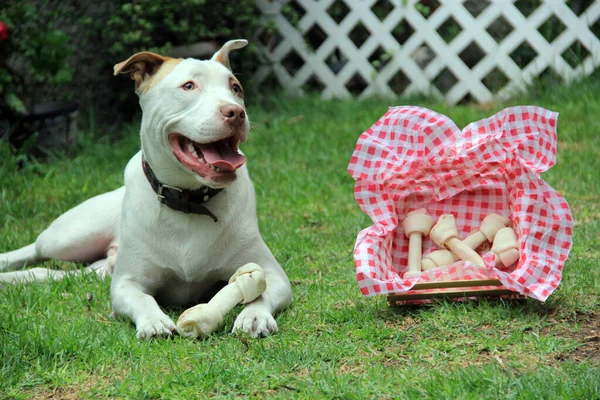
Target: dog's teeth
[190,147]
[195,154]
[213,167]
[202,160]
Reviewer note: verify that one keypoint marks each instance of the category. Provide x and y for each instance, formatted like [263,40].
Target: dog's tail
[102,267]
[21,258]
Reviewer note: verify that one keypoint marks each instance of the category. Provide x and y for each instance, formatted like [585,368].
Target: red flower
[3,31]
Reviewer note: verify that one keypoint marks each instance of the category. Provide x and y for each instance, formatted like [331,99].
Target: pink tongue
[222,156]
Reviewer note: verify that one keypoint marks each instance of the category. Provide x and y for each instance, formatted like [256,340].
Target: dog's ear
[222,56]
[141,66]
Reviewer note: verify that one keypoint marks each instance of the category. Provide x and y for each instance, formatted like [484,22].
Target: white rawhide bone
[506,247]
[244,286]
[487,231]
[445,235]
[416,225]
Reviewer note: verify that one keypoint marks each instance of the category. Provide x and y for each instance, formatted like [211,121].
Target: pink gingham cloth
[414,158]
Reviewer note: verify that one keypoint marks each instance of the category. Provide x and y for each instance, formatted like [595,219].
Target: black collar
[187,201]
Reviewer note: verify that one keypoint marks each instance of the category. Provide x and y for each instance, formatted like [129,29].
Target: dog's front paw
[255,322]
[155,327]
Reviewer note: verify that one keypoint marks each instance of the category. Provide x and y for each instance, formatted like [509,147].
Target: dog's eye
[237,89]
[188,86]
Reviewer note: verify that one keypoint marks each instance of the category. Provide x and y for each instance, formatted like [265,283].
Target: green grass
[59,340]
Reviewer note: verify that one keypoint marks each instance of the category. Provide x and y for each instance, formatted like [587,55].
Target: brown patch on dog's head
[146,69]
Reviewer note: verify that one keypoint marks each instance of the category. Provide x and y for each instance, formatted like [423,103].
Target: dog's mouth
[215,161]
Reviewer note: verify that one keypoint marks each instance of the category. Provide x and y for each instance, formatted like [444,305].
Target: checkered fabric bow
[414,158]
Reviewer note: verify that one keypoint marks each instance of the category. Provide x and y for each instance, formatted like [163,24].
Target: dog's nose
[233,114]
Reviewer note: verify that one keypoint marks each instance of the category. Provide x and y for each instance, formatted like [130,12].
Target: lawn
[58,340]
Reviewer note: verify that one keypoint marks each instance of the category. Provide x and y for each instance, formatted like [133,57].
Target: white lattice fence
[470,51]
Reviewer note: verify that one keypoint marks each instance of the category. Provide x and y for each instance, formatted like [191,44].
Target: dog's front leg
[131,299]
[256,318]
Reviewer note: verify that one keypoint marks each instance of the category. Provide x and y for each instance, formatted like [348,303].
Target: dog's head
[193,116]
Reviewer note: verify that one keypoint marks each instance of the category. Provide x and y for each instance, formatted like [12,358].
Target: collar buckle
[161,189]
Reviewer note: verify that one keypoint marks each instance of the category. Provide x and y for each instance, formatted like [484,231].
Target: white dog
[186,218]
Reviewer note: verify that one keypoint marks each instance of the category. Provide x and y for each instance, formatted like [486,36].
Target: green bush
[159,24]
[79,41]
[30,58]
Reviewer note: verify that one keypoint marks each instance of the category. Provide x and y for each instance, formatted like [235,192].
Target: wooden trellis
[459,51]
